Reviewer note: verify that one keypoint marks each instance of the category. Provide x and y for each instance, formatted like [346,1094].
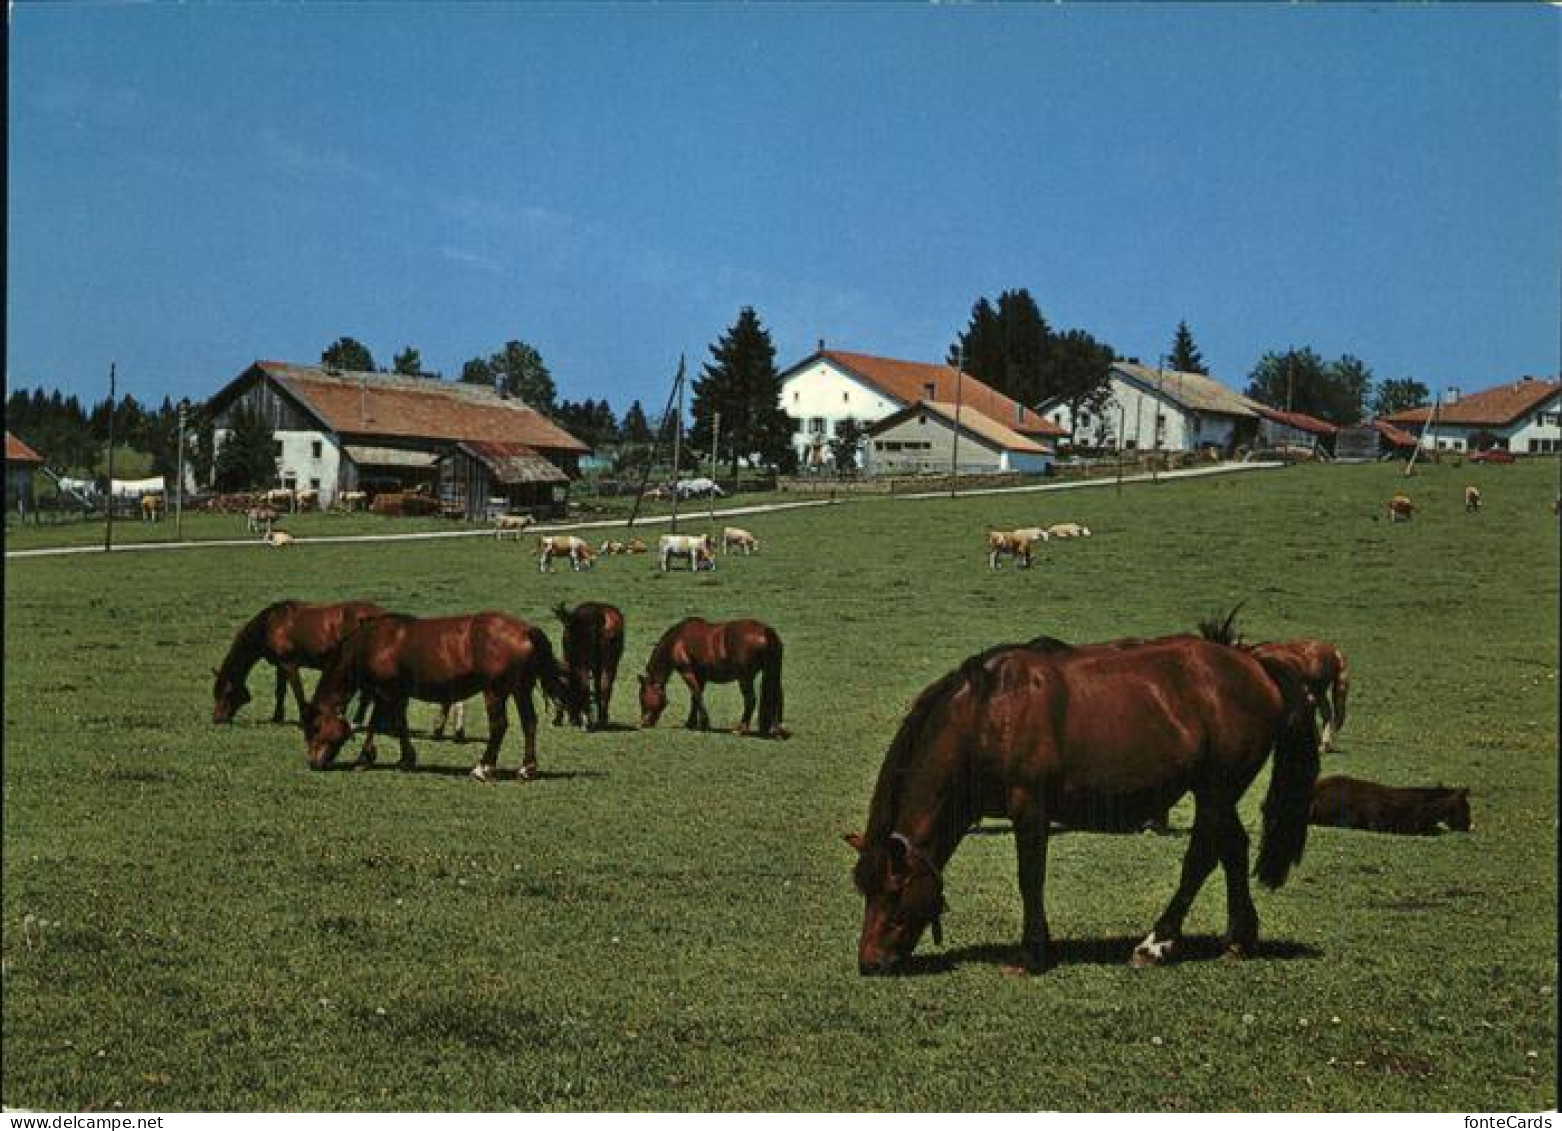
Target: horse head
[326,733]
[653,700]
[228,695]
[904,895]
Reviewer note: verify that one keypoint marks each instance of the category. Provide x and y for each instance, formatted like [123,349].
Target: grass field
[192,920]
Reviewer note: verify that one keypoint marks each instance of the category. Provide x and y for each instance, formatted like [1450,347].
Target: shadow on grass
[505,772]
[1102,952]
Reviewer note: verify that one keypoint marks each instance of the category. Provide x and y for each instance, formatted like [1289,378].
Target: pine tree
[636,429]
[742,384]
[1185,356]
[1006,346]
[348,354]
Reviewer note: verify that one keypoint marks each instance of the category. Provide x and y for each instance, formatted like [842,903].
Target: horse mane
[658,665]
[249,642]
[1217,631]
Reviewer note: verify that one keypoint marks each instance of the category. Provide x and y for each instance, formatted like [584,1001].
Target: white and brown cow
[1068,530]
[1011,543]
[577,550]
[734,537]
[511,524]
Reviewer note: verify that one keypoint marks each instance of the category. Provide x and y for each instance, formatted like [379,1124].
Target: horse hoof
[526,773]
[406,765]
[483,773]
[1238,952]
[1152,952]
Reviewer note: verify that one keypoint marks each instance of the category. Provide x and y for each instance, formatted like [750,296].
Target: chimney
[1452,395]
[821,345]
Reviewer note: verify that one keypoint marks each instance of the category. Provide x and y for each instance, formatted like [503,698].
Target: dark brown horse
[289,635]
[1323,671]
[439,660]
[1097,738]
[1351,803]
[593,646]
[704,652]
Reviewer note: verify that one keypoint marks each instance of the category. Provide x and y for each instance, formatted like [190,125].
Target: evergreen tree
[1185,356]
[478,372]
[248,456]
[742,384]
[348,354]
[636,429]
[409,363]
[1006,347]
[1399,395]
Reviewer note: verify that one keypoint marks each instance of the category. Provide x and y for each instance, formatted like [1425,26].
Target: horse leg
[1320,699]
[367,754]
[297,684]
[278,714]
[746,685]
[602,685]
[498,723]
[1202,855]
[409,756]
[1030,847]
[697,719]
[528,712]
[1241,915]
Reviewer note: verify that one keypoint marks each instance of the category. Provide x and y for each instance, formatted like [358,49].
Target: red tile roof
[1492,407]
[1396,436]
[18,452]
[1301,421]
[908,381]
[381,404]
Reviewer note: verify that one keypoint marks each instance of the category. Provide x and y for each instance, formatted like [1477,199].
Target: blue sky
[195,187]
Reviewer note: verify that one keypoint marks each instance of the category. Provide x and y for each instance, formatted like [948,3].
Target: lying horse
[1351,803]
[1096,738]
[1322,669]
[439,660]
[703,652]
[593,646]
[289,635]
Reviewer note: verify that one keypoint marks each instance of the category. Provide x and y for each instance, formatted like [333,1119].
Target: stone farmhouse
[1523,416]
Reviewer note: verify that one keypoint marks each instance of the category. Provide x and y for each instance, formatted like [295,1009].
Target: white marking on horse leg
[1153,951]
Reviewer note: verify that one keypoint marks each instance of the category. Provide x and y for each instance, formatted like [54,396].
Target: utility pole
[677,443]
[715,445]
[179,483]
[954,450]
[108,530]
[1122,441]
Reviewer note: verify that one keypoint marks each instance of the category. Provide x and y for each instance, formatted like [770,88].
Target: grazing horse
[1068,530]
[735,536]
[1400,508]
[1096,738]
[260,520]
[1472,498]
[1012,543]
[151,508]
[1351,803]
[577,550]
[290,635]
[1322,669]
[702,652]
[593,646]
[440,660]
[700,549]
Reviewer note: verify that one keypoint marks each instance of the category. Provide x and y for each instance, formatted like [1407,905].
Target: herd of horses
[387,659]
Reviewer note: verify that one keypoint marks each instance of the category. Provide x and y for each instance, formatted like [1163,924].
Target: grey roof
[366,456]
[1192,391]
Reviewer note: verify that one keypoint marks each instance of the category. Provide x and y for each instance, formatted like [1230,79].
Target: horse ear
[856,841]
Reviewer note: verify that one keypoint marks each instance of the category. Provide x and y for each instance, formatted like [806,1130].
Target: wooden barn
[339,431]
[20,464]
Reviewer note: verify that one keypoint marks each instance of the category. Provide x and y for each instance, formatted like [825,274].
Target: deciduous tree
[1398,395]
[247,458]
[348,354]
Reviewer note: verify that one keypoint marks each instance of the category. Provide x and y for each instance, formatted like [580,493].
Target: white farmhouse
[829,386]
[1524,416]
[1161,410]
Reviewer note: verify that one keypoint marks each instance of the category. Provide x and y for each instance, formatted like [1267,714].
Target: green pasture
[193,920]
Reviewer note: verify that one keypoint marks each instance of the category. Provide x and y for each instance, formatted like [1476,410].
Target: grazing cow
[610,548]
[735,536]
[1322,670]
[511,524]
[260,520]
[353,500]
[1034,533]
[307,500]
[1472,498]
[1009,542]
[278,538]
[637,546]
[1068,530]
[280,497]
[1351,803]
[151,508]
[577,550]
[1400,508]
[700,549]
[698,488]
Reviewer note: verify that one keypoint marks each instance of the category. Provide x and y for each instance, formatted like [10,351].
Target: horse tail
[1291,780]
[772,700]
[550,675]
[1222,632]
[561,612]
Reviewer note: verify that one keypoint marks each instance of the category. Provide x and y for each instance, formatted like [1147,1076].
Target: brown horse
[1095,738]
[593,646]
[704,652]
[290,635]
[1351,803]
[1323,671]
[439,660]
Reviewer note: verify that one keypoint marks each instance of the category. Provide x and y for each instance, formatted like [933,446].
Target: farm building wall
[819,398]
[1538,432]
[925,442]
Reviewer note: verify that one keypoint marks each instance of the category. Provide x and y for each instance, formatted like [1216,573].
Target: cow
[259,520]
[151,508]
[281,539]
[610,548]
[577,550]
[353,500]
[281,497]
[1400,508]
[1000,542]
[733,536]
[307,500]
[1472,498]
[637,546]
[696,488]
[700,549]
[511,524]
[1352,803]
[1068,530]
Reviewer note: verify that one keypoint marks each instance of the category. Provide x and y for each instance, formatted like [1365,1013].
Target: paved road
[652,520]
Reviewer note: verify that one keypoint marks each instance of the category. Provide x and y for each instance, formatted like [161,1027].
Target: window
[846,397]
[796,396]
[279,449]
[315,448]
[1084,419]
[816,425]
[892,445]
[314,484]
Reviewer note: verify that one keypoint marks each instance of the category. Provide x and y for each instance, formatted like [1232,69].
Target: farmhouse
[20,464]
[339,431]
[830,386]
[1163,410]
[1524,416]
[1280,429]
[921,438]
